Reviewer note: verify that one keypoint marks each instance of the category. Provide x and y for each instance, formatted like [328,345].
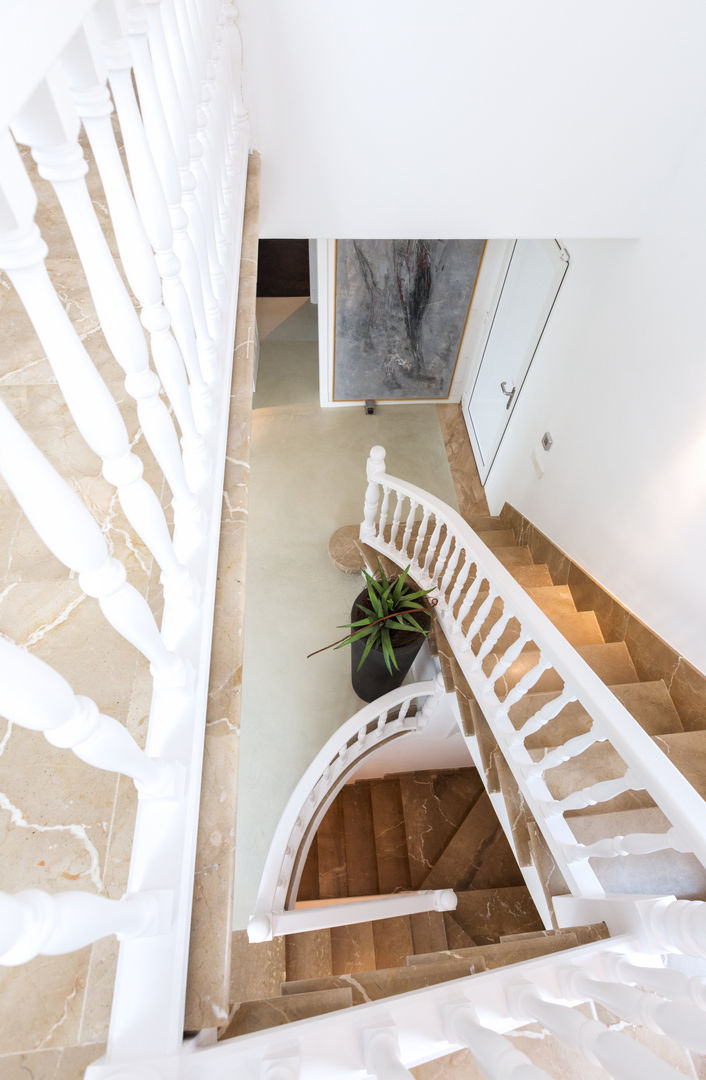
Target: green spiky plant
[392,606]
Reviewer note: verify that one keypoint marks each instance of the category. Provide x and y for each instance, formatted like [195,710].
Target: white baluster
[166,162]
[382,720]
[424,525]
[508,659]
[558,755]
[436,532]
[495,633]
[64,524]
[634,844]
[284,1068]
[34,923]
[169,95]
[678,925]
[668,982]
[542,716]
[409,524]
[196,414]
[34,696]
[461,579]
[441,558]
[469,599]
[93,408]
[622,1057]
[188,97]
[382,522]
[481,615]
[374,468]
[450,569]
[93,105]
[382,1055]
[600,792]
[495,1054]
[524,685]
[685,1024]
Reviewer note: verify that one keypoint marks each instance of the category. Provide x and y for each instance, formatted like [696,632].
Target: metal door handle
[509,394]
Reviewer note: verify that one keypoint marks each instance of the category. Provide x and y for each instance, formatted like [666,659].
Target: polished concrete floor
[307,479]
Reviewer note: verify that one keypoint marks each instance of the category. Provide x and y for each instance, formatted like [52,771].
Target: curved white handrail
[362,733]
[646,766]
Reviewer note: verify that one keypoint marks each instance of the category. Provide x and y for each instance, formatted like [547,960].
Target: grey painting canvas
[401,309]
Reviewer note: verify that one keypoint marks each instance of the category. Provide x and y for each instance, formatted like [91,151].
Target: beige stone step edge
[208,978]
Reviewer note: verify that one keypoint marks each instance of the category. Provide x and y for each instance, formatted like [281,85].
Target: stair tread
[330,841]
[428,931]
[531,575]
[374,985]
[501,953]
[308,955]
[250,1016]
[393,941]
[477,852]
[456,936]
[497,538]
[584,933]
[550,877]
[553,599]
[485,914]
[352,948]
[390,835]
[361,864]
[517,555]
[687,750]
[611,661]
[648,702]
[434,806]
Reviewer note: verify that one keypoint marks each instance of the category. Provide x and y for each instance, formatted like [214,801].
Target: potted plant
[389,620]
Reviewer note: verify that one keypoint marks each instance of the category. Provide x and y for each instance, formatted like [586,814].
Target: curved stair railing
[401,712]
[488,619]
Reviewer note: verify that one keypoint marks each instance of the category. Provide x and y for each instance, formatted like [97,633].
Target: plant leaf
[368,646]
[356,637]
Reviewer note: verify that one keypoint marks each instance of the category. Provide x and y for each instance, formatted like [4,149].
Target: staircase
[422,830]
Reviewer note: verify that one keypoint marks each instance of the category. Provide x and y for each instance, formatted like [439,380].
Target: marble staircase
[410,830]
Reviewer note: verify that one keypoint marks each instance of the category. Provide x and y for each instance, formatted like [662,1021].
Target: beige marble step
[598,763]
[579,628]
[505,952]
[661,873]
[393,941]
[553,599]
[374,985]
[252,1016]
[611,662]
[583,934]
[513,556]
[551,880]
[477,852]
[648,702]
[434,805]
[352,948]
[498,538]
[535,575]
[517,810]
[428,931]
[361,864]
[330,841]
[486,914]
[390,836]
[687,750]
[456,936]
[308,955]
[256,968]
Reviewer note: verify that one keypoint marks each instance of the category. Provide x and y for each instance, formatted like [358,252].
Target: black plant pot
[373,680]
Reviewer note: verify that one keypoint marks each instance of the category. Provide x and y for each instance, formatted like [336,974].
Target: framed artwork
[400,314]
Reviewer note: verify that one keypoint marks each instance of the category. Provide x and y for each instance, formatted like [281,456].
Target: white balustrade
[668,982]
[306,917]
[495,1054]
[682,1022]
[35,696]
[64,524]
[621,1056]
[371,727]
[492,601]
[35,923]
[382,1055]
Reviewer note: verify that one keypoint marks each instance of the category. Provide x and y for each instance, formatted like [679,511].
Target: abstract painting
[401,310]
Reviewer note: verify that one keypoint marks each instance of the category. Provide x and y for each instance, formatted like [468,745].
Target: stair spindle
[495,1054]
[558,755]
[542,717]
[591,795]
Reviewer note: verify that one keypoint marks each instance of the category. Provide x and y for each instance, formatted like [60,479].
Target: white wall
[619,380]
[468,119]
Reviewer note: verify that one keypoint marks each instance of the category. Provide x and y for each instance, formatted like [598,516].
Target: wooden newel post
[374,470]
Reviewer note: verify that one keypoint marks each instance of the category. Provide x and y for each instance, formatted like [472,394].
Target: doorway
[531,280]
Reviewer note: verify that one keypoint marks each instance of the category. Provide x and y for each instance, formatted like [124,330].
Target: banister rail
[401,712]
[172,70]
[478,602]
